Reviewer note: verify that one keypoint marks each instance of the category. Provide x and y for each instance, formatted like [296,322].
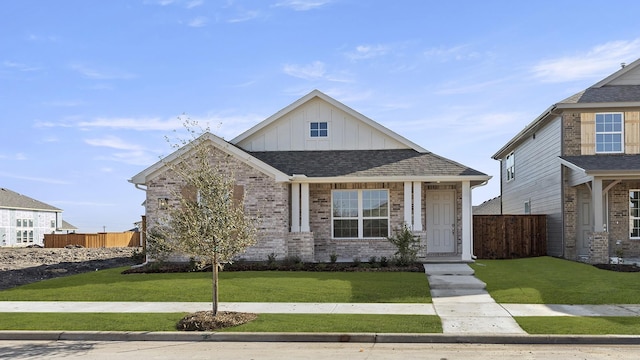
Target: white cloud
[599,60]
[114,143]
[35,179]
[245,16]
[103,74]
[20,66]
[131,153]
[199,21]
[454,53]
[139,124]
[315,70]
[194,3]
[302,5]
[368,51]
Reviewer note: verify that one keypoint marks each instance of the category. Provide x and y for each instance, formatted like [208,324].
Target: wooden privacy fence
[509,236]
[99,240]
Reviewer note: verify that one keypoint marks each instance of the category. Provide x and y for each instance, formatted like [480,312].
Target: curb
[319,337]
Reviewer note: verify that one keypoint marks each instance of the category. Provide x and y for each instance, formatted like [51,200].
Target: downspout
[146,258]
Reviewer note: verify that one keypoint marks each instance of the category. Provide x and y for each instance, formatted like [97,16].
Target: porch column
[407,204]
[596,198]
[295,207]
[417,206]
[467,222]
[304,226]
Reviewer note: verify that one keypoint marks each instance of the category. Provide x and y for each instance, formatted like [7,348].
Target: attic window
[319,129]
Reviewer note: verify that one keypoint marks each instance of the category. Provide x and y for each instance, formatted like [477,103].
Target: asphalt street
[114,350]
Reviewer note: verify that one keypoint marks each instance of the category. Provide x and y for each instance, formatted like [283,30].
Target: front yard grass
[265,323]
[244,286]
[548,280]
[569,325]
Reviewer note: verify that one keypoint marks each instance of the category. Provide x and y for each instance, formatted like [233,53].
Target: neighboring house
[326,180]
[24,221]
[489,207]
[579,163]
[66,228]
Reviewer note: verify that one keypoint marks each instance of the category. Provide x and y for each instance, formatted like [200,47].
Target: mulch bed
[205,321]
[618,267]
[167,267]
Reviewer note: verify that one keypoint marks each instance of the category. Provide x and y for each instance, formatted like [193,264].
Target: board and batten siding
[291,132]
[631,132]
[538,180]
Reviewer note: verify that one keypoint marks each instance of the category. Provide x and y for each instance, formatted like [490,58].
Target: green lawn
[566,325]
[264,322]
[548,280]
[249,286]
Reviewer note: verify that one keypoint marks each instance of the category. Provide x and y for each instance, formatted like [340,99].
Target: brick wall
[263,198]
[571,134]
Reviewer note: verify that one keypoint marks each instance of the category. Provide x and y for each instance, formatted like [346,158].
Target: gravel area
[19,266]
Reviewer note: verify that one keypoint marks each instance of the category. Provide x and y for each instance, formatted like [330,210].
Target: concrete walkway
[463,304]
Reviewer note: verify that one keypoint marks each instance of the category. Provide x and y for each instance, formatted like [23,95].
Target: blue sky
[90,89]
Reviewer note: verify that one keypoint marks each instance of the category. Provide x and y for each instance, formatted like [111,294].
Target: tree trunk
[214,264]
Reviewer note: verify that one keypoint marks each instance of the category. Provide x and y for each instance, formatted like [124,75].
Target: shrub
[384,262]
[356,261]
[333,258]
[407,245]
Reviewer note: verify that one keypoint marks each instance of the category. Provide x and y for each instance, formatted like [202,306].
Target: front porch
[440,214]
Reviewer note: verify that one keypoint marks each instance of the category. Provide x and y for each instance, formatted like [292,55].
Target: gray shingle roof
[12,200]
[363,163]
[614,162]
[617,93]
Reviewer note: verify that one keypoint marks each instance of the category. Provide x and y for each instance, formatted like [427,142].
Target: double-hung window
[511,167]
[319,129]
[360,213]
[634,214]
[609,127]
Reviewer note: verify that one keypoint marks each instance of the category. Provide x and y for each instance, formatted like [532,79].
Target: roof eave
[619,104]
[397,178]
[532,127]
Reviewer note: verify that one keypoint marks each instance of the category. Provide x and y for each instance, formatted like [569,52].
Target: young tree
[206,221]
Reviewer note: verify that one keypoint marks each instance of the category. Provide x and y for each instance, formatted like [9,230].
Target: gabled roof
[489,207]
[67,226]
[219,143]
[354,164]
[12,200]
[318,94]
[612,164]
[620,89]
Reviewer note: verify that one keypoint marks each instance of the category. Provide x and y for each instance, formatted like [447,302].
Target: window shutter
[632,132]
[588,133]
[238,195]
[189,193]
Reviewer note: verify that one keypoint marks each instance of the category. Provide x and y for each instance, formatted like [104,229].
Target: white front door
[441,221]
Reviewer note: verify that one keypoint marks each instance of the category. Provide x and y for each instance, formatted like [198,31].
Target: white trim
[467,222]
[295,207]
[304,216]
[407,205]
[417,206]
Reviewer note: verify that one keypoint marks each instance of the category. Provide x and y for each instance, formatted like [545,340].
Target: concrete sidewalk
[471,301]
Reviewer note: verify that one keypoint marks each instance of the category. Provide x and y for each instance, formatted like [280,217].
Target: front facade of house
[579,163]
[24,221]
[326,180]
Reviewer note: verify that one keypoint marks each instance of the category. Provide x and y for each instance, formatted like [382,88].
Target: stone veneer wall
[570,221]
[263,197]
